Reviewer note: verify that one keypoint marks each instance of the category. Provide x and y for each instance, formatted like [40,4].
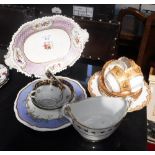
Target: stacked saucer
[121,78]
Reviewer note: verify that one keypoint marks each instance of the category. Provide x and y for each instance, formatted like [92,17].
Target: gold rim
[139,107]
[90,90]
[144,103]
[133,71]
[103,89]
[106,65]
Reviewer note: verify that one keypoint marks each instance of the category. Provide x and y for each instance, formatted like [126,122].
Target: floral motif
[48,43]
[18,60]
[19,57]
[76,37]
[54,67]
[42,25]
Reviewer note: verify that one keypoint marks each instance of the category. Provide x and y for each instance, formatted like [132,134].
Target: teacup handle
[32,94]
[66,111]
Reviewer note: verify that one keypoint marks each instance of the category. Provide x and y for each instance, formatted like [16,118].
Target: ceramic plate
[138,104]
[21,111]
[50,42]
[3,75]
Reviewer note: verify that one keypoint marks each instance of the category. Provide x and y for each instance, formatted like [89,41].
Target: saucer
[137,104]
[22,115]
[3,75]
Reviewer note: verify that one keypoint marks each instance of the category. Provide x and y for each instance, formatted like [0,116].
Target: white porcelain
[111,83]
[48,45]
[41,113]
[124,65]
[125,61]
[110,80]
[137,104]
[54,42]
[3,75]
[48,111]
[113,64]
[136,83]
[96,118]
[40,119]
[47,94]
[93,85]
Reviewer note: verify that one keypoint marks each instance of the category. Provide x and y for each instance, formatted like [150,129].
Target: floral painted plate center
[47,45]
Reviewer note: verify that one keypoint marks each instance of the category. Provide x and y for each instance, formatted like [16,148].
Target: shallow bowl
[96,118]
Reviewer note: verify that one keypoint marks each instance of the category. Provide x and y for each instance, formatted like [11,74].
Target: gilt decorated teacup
[47,94]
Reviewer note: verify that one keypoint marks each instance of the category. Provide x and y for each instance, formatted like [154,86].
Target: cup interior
[48,94]
[99,112]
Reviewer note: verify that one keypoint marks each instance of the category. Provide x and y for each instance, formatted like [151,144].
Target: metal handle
[52,77]
[32,94]
[66,111]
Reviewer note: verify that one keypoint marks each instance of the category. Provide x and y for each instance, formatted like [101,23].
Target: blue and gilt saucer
[39,124]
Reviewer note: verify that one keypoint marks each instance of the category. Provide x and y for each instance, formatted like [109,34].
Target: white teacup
[47,94]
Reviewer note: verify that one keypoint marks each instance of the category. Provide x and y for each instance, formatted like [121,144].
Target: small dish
[137,104]
[36,122]
[96,118]
[47,94]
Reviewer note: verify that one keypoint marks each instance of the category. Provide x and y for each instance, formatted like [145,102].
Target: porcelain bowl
[47,94]
[96,118]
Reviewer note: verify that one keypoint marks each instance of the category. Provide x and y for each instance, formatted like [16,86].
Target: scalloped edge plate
[16,58]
